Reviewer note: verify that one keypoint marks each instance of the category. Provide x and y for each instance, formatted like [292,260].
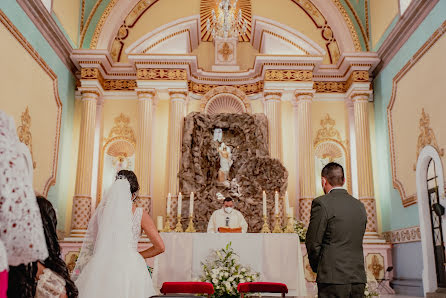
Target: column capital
[89,93]
[303,95]
[144,93]
[272,95]
[178,94]
[360,96]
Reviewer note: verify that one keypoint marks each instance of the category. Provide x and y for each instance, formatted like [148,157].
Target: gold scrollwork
[357,76]
[24,133]
[120,84]
[330,87]
[121,129]
[426,136]
[92,74]
[248,89]
[161,74]
[288,75]
[328,131]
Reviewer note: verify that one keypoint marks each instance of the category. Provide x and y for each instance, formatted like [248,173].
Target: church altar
[277,257]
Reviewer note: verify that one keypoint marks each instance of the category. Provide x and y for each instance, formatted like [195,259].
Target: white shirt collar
[336,187]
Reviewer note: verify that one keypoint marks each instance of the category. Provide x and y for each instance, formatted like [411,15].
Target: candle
[276,203]
[287,205]
[180,200]
[264,203]
[169,198]
[159,223]
[191,204]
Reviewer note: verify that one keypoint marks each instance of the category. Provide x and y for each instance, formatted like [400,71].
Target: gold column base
[179,227]
[167,228]
[277,228]
[290,225]
[265,228]
[190,227]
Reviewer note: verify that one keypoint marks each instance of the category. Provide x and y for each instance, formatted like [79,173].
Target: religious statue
[225,163]
[218,134]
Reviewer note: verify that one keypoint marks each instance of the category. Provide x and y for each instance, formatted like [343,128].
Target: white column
[81,211]
[143,155]
[176,117]
[272,111]
[307,188]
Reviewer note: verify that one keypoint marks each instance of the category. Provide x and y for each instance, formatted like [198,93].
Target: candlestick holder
[277,228]
[179,227]
[190,227]
[167,228]
[290,225]
[265,228]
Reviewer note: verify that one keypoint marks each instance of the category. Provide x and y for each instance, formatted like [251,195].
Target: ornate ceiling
[96,16]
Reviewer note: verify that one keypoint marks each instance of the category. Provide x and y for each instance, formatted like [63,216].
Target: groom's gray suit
[334,244]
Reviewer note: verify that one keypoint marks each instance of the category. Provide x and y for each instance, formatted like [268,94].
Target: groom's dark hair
[334,173]
[131,178]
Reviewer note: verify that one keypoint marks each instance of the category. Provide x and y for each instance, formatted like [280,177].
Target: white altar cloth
[277,257]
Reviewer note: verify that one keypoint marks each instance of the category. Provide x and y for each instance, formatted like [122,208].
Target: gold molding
[407,200]
[121,130]
[100,24]
[161,74]
[426,137]
[272,93]
[350,25]
[288,75]
[87,23]
[24,133]
[92,74]
[200,88]
[82,16]
[357,76]
[225,89]
[330,87]
[358,20]
[328,133]
[35,55]
[124,85]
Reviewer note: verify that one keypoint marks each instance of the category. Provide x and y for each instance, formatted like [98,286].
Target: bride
[109,264]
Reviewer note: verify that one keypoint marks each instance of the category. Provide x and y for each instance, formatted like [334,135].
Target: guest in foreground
[227,217]
[22,234]
[109,265]
[334,238]
[53,268]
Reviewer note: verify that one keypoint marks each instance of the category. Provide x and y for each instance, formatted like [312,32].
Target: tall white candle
[276,203]
[191,204]
[180,200]
[287,205]
[264,203]
[169,199]
[159,223]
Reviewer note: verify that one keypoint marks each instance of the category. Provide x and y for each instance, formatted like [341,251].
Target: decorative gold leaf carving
[330,87]
[248,89]
[92,74]
[24,132]
[161,74]
[288,75]
[327,131]
[121,129]
[120,84]
[426,136]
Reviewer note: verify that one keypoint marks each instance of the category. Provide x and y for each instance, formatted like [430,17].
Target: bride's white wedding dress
[110,265]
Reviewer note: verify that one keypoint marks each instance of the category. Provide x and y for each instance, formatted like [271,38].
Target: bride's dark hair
[131,178]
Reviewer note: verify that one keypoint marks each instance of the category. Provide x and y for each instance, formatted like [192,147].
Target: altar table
[277,257]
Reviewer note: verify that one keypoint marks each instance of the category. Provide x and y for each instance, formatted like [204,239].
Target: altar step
[439,293]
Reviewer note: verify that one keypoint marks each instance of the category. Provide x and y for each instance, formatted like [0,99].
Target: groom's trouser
[340,291]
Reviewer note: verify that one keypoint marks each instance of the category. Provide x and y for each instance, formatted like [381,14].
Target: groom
[334,238]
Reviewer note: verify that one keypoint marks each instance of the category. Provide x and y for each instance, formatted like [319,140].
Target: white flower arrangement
[300,230]
[224,271]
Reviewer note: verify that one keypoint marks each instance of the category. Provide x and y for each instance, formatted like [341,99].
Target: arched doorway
[430,194]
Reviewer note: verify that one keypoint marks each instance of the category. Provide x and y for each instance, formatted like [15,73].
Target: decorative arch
[427,154]
[113,19]
[225,99]
[328,144]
